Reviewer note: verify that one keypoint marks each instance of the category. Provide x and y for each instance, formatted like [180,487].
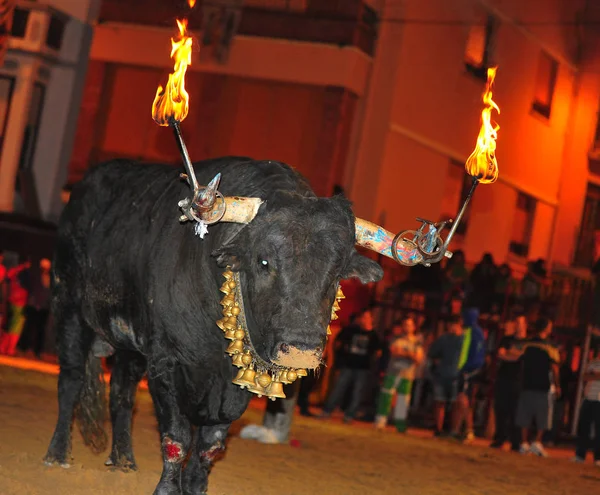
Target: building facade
[381,97]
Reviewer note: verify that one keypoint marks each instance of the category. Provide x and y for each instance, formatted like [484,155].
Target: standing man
[472,360]
[444,355]
[506,392]
[406,353]
[540,382]
[590,412]
[356,345]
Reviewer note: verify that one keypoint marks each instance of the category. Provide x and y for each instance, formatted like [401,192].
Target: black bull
[130,280]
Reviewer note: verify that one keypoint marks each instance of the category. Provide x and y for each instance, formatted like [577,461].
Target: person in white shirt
[590,412]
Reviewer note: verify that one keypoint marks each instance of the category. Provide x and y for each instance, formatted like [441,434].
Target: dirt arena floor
[333,458]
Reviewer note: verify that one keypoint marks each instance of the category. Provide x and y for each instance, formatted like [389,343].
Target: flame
[172,103]
[482,162]
[191,3]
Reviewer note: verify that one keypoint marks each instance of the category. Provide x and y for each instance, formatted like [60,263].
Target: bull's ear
[363,268]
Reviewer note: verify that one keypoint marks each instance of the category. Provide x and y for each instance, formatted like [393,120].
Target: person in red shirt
[17,300]
[3,293]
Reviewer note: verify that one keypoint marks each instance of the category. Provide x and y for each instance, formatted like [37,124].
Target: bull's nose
[285,348]
[291,355]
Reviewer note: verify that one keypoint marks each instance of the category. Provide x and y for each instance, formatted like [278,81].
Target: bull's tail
[91,410]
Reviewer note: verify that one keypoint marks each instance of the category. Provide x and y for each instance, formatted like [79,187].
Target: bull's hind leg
[73,346]
[175,429]
[209,443]
[128,369]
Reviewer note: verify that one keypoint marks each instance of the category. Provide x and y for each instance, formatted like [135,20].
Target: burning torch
[170,108]
[482,166]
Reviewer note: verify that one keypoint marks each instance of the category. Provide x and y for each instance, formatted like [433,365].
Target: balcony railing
[354,24]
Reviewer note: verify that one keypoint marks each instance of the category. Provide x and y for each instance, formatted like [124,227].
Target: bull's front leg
[175,432]
[209,443]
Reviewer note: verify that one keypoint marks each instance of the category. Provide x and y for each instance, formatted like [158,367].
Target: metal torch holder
[207,205]
[428,242]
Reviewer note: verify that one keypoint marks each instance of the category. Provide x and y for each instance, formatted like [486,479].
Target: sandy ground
[333,458]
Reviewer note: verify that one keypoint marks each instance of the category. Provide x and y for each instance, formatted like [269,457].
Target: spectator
[456,276]
[406,353]
[444,355]
[355,347]
[506,393]
[471,362]
[531,285]
[37,310]
[483,278]
[3,294]
[18,280]
[540,372]
[504,288]
[590,413]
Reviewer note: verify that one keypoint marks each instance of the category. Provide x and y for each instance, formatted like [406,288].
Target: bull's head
[290,261]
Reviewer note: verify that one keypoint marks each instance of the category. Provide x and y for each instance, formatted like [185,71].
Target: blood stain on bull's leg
[173,450]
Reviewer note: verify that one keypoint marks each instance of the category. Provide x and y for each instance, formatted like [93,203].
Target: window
[31,129]
[457,187]
[6,90]
[56,29]
[522,225]
[478,52]
[19,23]
[544,84]
[587,250]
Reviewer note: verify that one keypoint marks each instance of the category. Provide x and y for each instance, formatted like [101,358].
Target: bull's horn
[376,238]
[241,210]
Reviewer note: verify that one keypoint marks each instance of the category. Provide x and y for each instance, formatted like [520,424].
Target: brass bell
[227,311]
[247,378]
[228,274]
[235,347]
[239,375]
[221,323]
[225,288]
[275,391]
[336,305]
[333,315]
[237,360]
[301,372]
[230,334]
[339,294]
[247,359]
[230,284]
[264,380]
[230,323]
[283,378]
[239,334]
[292,375]
[257,389]
[228,300]
[236,310]
[328,330]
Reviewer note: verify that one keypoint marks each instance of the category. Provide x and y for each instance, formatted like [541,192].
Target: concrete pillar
[25,75]
[62,103]
[371,129]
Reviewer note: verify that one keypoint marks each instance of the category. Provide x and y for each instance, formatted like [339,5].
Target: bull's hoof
[51,460]
[167,488]
[121,463]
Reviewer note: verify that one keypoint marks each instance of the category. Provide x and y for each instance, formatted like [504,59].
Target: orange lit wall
[433,116]
[228,116]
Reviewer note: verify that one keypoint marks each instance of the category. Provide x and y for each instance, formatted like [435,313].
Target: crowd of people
[454,367]
[24,306]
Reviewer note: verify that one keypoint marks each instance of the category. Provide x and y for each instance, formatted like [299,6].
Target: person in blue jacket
[471,362]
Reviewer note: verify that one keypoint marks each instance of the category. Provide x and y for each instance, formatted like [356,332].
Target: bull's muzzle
[290,356]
